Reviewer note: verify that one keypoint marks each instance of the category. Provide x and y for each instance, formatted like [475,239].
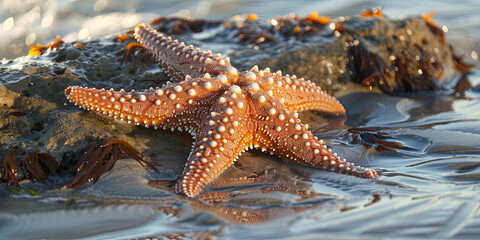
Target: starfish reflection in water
[227,111]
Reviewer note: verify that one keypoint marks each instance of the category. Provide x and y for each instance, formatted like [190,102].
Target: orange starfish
[227,111]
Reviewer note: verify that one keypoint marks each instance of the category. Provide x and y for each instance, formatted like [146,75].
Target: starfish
[227,111]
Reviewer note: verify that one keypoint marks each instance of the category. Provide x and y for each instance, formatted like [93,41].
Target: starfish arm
[224,134]
[296,94]
[172,106]
[177,58]
[282,133]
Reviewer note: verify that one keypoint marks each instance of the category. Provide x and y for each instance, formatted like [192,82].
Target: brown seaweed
[100,157]
[10,169]
[370,138]
[369,69]
[87,164]
[37,165]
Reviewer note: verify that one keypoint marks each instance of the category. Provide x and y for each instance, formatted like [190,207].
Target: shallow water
[428,186]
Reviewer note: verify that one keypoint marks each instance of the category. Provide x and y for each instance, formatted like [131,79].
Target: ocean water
[429,187]
[26,22]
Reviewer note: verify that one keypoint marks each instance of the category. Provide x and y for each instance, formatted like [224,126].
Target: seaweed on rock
[87,164]
[10,169]
[93,161]
[38,165]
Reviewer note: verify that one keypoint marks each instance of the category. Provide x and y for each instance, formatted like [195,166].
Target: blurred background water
[25,22]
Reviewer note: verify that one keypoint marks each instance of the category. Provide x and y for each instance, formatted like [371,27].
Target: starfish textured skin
[227,111]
